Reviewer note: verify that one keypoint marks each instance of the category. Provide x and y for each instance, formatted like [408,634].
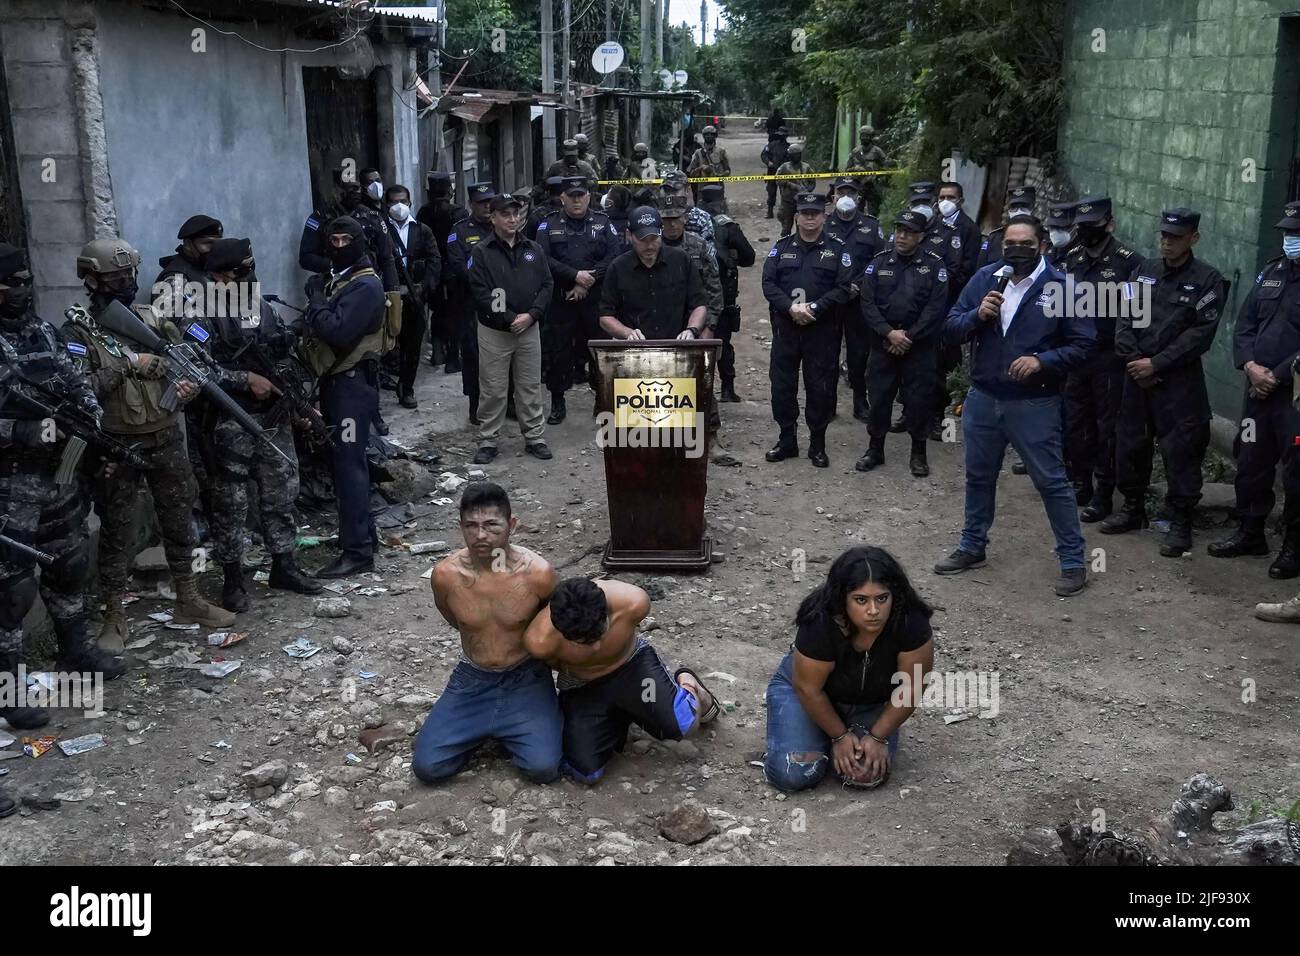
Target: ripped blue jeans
[792,734]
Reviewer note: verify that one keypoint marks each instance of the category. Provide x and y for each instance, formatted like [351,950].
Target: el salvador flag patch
[470,263]
[984,245]
[198,332]
[871,269]
[76,348]
[313,222]
[452,237]
[542,226]
[772,253]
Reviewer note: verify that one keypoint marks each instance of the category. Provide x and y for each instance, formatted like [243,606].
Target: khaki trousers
[498,353]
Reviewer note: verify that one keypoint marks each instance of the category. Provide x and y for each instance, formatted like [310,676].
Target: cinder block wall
[1186,97]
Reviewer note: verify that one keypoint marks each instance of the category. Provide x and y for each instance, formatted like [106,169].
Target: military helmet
[106,255]
[866,130]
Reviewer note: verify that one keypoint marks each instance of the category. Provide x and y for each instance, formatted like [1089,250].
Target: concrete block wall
[1184,93]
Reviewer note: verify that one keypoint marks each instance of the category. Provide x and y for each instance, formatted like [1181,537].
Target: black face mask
[1091,235]
[344,257]
[1020,258]
[123,290]
[15,303]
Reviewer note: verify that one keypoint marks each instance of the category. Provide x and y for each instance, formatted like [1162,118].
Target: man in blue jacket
[1024,341]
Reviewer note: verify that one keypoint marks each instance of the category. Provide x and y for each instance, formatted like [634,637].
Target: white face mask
[1059,237]
[845,204]
[947,207]
[375,190]
[926,211]
[400,211]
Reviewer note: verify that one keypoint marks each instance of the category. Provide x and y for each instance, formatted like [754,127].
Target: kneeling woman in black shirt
[828,704]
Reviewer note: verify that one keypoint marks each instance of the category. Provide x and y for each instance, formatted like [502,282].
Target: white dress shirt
[1014,293]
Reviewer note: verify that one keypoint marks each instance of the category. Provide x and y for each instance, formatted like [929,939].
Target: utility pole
[661,17]
[704,22]
[643,124]
[548,83]
[564,68]
[609,19]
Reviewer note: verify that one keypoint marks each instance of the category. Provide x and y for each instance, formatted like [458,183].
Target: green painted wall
[1184,93]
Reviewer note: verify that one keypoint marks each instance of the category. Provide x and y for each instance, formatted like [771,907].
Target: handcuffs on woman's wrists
[836,740]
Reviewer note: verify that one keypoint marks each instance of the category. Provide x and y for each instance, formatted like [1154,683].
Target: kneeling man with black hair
[609,676]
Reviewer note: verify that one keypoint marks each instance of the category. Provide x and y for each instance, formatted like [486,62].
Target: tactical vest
[135,406]
[321,359]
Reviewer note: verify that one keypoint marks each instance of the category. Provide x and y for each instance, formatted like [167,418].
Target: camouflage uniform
[133,413]
[789,188]
[41,514]
[240,456]
[865,158]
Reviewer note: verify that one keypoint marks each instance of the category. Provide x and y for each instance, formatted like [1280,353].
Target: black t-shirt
[861,678]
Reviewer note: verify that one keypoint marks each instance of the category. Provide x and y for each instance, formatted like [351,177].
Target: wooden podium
[652,409]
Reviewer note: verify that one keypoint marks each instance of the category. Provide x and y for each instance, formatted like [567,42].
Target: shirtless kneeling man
[609,677]
[489,591]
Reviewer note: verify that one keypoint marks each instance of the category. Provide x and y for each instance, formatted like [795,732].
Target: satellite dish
[666,79]
[607,57]
[679,78]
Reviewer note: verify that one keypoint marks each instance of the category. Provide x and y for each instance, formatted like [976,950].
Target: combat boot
[287,576]
[1247,539]
[558,409]
[729,390]
[20,718]
[872,457]
[860,406]
[79,655]
[1287,563]
[918,464]
[1100,507]
[114,631]
[1082,491]
[1131,516]
[1178,539]
[192,609]
[817,450]
[234,597]
[787,446]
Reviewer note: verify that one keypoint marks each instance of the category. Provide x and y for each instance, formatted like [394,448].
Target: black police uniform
[1185,304]
[908,293]
[734,253]
[347,313]
[820,273]
[863,239]
[465,235]
[571,246]
[943,240]
[1093,391]
[440,214]
[1268,333]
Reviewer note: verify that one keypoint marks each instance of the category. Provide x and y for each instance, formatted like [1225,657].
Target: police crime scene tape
[761,177]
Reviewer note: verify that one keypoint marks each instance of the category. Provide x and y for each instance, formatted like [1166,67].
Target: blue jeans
[517,707]
[792,735]
[1033,428]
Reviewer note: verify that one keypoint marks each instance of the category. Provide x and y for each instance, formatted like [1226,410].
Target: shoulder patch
[943,274]
[196,331]
[984,246]
[313,222]
[76,348]
[871,268]
[543,225]
[846,261]
[956,241]
[469,263]
[1207,299]
[772,254]
[1258,278]
[451,237]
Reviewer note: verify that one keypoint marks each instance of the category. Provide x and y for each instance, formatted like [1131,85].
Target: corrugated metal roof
[432,13]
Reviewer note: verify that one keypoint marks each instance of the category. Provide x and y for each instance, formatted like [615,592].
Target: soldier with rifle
[139,406]
[47,410]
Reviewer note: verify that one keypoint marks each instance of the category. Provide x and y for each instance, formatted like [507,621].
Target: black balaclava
[349,255]
[123,290]
[17,301]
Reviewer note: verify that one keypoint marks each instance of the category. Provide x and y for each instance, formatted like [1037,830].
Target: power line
[232,33]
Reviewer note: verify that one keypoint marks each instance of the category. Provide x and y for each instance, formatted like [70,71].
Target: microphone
[1003,277]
